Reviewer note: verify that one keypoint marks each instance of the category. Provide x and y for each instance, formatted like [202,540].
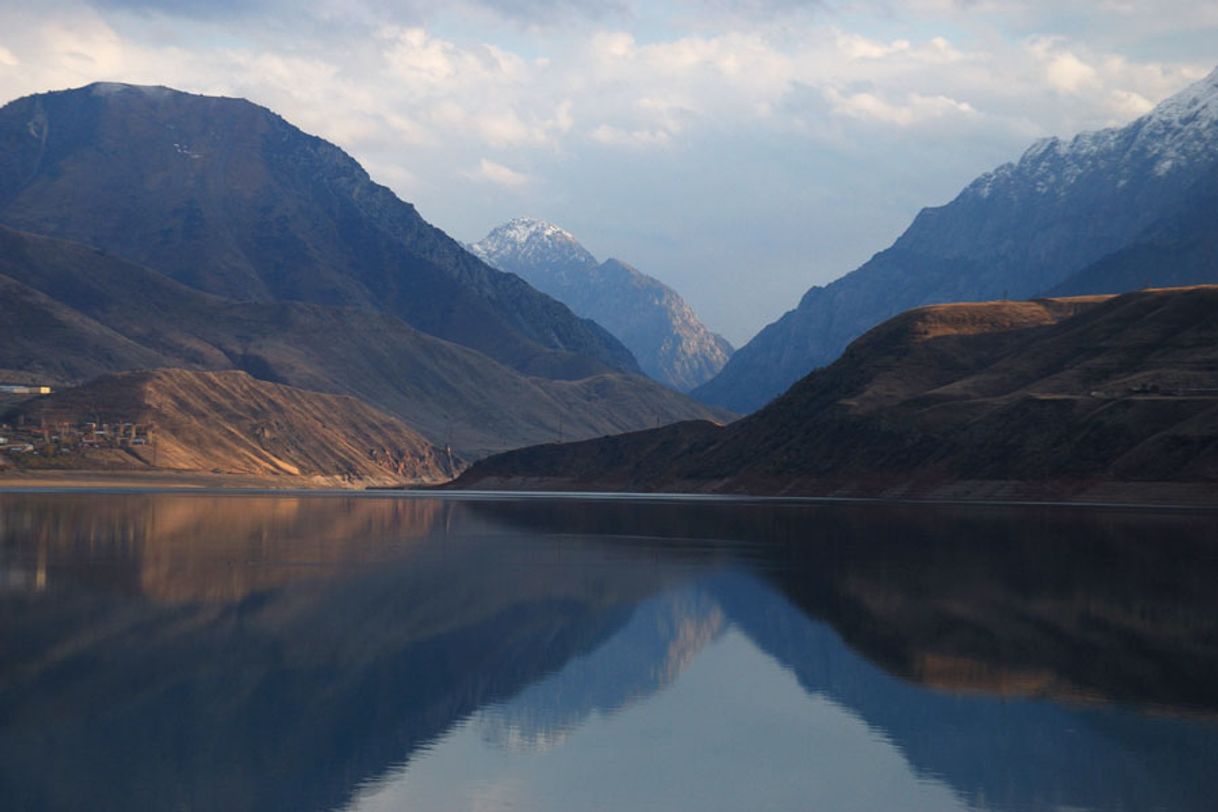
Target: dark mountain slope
[1053,393]
[47,340]
[1179,249]
[229,198]
[110,315]
[1017,231]
[671,344]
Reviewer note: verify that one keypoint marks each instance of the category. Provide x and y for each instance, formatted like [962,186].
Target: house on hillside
[24,389]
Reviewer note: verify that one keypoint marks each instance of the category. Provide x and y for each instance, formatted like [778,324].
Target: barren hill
[230,422]
[69,312]
[229,198]
[1048,397]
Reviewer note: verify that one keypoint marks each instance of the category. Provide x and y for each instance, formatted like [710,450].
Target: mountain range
[650,318]
[1090,396]
[71,313]
[1104,212]
[146,228]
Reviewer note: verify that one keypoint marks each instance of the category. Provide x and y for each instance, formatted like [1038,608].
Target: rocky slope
[649,317]
[1041,399]
[70,313]
[230,422]
[1018,231]
[1178,249]
[227,197]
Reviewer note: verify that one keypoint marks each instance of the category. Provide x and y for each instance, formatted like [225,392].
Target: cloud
[490,172]
[1063,70]
[616,136]
[529,14]
[683,114]
[914,109]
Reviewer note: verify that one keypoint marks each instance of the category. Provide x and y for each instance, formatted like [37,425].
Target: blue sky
[739,151]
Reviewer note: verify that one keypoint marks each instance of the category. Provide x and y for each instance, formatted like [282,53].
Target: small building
[24,389]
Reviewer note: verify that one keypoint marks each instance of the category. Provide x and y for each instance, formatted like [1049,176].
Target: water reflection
[204,652]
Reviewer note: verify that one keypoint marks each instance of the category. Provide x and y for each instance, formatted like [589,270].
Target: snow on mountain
[1017,231]
[528,243]
[650,318]
[1169,139]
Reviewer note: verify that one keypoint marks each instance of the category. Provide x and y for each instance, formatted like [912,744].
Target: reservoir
[206,651]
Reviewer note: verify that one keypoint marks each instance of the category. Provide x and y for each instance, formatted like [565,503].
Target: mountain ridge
[1016,231]
[71,313]
[228,197]
[650,318]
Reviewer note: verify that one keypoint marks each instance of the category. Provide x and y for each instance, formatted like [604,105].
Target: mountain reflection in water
[284,652]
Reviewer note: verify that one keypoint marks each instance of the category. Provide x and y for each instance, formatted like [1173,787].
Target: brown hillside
[232,423]
[227,197]
[1056,394]
[81,313]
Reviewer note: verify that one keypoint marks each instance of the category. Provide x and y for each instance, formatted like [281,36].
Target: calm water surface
[200,652]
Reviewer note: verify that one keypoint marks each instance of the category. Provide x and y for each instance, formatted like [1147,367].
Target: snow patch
[1180,135]
[529,241]
[114,88]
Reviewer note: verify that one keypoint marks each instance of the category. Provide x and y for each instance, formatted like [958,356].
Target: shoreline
[15,480]
[1148,495]
[1128,496]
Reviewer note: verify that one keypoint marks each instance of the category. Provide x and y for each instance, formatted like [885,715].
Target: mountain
[69,313]
[1018,231]
[1178,249]
[229,422]
[649,317]
[1042,399]
[227,197]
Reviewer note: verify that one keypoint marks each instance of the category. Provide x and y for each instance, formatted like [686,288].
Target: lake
[365,653]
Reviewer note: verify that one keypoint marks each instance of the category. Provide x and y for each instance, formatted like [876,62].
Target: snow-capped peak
[1199,95]
[529,241]
[522,229]
[1179,134]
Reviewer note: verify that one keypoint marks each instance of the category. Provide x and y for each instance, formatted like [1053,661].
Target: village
[46,439]
[24,437]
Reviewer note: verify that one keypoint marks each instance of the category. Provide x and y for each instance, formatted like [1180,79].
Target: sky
[739,151]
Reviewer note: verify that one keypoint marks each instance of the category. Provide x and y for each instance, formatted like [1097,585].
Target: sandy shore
[13,479]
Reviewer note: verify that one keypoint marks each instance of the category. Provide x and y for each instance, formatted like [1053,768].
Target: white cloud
[498,174]
[417,59]
[1128,105]
[915,109]
[618,112]
[1063,70]
[857,46]
[616,136]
